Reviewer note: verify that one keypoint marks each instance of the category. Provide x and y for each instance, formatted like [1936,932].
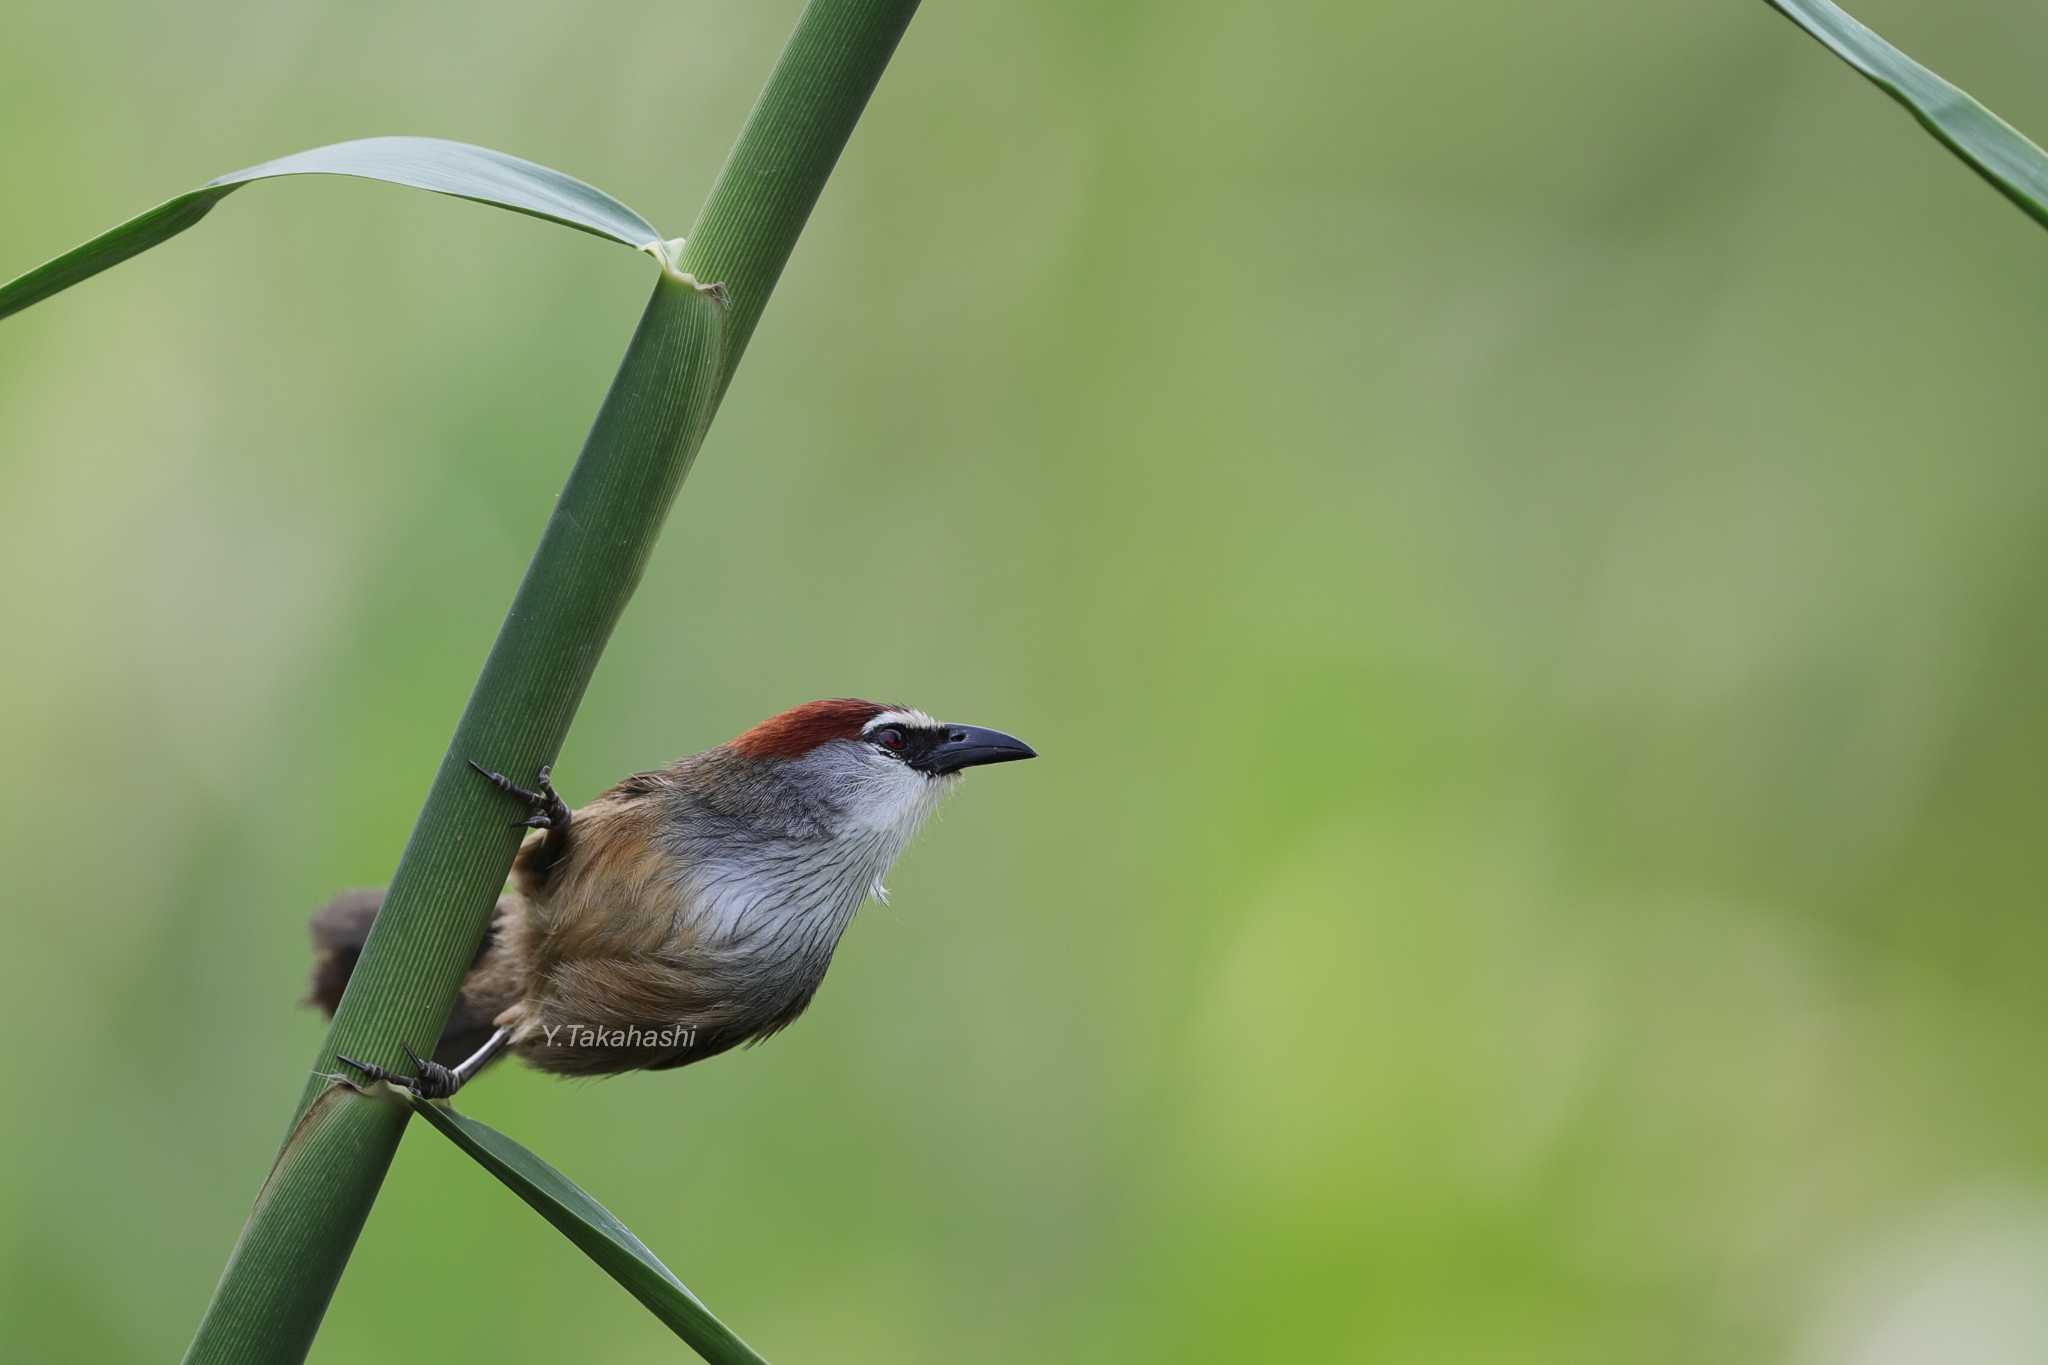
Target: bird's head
[883,765]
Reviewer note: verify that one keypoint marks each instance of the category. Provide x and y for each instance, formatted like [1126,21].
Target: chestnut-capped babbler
[689,909]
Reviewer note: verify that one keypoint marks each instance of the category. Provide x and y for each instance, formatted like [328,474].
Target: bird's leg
[434,1081]
[548,811]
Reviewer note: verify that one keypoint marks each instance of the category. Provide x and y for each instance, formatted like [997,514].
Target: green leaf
[1993,148]
[591,1226]
[423,163]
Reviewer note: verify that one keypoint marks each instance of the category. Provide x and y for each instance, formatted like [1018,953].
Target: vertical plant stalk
[792,140]
[270,1299]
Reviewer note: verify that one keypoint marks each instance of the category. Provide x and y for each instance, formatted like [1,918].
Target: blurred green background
[1517,529]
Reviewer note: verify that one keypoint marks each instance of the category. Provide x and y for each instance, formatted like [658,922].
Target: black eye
[890,737]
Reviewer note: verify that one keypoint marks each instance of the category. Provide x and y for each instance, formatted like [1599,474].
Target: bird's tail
[340,929]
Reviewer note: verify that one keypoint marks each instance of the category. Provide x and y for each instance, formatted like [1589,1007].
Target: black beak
[969,746]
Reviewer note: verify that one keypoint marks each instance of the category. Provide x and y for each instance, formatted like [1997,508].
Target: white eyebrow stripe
[915,720]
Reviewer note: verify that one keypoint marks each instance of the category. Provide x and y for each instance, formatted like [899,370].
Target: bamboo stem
[277,1283]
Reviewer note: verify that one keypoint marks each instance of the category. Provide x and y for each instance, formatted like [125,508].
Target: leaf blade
[108,250]
[456,169]
[595,1231]
[2014,165]
[465,171]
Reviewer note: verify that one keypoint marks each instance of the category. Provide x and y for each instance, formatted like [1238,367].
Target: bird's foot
[549,811]
[434,1081]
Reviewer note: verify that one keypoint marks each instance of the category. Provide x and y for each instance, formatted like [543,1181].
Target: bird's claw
[548,810]
[433,1081]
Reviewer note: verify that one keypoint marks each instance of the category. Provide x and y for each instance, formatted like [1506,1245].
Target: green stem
[270,1299]
[792,140]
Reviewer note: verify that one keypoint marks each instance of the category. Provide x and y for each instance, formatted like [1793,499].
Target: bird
[688,909]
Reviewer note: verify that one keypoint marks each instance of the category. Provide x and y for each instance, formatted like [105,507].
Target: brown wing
[605,889]
[606,943]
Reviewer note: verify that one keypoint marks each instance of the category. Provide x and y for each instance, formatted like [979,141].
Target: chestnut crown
[920,742]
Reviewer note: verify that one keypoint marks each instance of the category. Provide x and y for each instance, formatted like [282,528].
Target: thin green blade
[466,172]
[477,174]
[1993,148]
[591,1226]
